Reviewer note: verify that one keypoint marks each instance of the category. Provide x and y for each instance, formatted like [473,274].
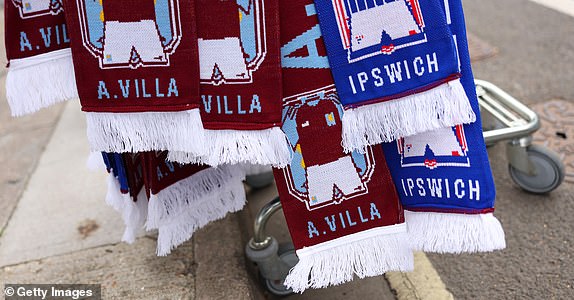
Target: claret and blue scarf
[137,73]
[240,76]
[395,68]
[342,209]
[40,69]
[444,178]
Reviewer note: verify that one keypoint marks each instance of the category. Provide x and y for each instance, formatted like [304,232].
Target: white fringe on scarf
[186,193]
[454,233]
[263,147]
[365,254]
[39,81]
[133,213]
[443,106]
[227,199]
[146,131]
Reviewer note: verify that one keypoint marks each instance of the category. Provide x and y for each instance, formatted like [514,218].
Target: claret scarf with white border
[40,69]
[342,209]
[137,71]
[240,76]
[444,178]
[395,68]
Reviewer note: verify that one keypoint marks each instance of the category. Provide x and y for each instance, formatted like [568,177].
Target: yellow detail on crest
[330,117]
[240,16]
[298,150]
[102,16]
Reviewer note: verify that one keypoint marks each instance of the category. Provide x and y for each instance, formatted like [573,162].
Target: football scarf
[444,178]
[40,69]
[125,191]
[342,209]
[395,68]
[240,77]
[138,83]
[184,198]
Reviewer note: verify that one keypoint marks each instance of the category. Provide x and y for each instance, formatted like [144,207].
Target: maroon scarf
[240,77]
[138,82]
[40,70]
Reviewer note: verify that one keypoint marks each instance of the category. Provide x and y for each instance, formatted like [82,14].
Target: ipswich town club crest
[35,8]
[120,36]
[233,58]
[320,178]
[442,147]
[372,27]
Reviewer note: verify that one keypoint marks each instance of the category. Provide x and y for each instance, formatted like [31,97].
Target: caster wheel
[287,254]
[549,171]
[260,181]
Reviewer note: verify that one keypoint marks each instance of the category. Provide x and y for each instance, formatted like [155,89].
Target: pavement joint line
[424,283]
[563,6]
[62,254]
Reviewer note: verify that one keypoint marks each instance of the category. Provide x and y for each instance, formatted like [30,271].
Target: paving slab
[124,271]
[220,262]
[61,199]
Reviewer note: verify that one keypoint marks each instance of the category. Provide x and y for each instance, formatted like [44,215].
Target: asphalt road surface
[535,63]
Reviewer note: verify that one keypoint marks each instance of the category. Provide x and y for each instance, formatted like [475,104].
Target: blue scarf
[443,177]
[395,68]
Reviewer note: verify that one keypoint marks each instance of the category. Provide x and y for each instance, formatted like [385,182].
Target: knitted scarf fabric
[240,78]
[342,209]
[137,73]
[184,198]
[125,191]
[395,68]
[37,43]
[444,178]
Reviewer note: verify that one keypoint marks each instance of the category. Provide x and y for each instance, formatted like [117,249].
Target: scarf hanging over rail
[240,77]
[184,198]
[125,191]
[40,69]
[444,178]
[137,73]
[342,209]
[395,68]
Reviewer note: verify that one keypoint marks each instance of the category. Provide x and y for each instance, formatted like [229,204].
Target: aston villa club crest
[122,37]
[35,8]
[445,147]
[231,51]
[372,27]
[321,173]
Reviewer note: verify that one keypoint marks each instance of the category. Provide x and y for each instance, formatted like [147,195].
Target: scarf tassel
[40,81]
[133,213]
[207,209]
[262,147]
[189,204]
[146,131]
[443,106]
[454,233]
[364,254]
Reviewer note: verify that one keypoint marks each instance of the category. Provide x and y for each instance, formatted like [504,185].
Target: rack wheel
[287,254]
[260,181]
[549,171]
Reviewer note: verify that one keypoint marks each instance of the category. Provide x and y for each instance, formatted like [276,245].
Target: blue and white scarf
[395,68]
[444,178]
